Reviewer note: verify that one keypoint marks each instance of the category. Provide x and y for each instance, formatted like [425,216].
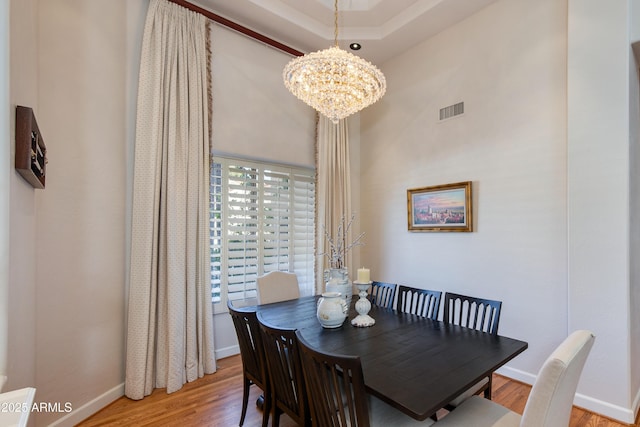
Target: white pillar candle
[363,275]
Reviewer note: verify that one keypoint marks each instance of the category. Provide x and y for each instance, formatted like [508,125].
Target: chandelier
[334,82]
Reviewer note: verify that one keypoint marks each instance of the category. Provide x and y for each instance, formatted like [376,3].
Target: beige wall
[551,210]
[634,219]
[250,103]
[508,63]
[21,357]
[5,187]
[598,176]
[74,62]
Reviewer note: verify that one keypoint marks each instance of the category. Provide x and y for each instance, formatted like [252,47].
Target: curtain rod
[241,29]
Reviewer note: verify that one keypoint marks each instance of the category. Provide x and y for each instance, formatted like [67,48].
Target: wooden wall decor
[31,153]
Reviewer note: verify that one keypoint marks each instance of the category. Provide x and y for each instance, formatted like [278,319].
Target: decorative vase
[331,310]
[337,280]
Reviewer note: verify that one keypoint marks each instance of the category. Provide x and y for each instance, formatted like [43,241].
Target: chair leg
[276,417]
[266,409]
[270,409]
[245,399]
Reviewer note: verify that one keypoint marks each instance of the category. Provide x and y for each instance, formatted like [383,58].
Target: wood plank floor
[216,401]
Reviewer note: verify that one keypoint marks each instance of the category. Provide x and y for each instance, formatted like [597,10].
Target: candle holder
[363,305]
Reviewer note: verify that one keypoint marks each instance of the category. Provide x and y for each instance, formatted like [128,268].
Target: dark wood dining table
[415,364]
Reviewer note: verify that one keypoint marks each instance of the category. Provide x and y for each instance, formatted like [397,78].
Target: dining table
[415,364]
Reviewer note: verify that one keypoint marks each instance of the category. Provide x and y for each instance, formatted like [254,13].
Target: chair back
[245,322]
[336,383]
[382,294]
[285,373]
[551,398]
[471,312]
[277,286]
[422,302]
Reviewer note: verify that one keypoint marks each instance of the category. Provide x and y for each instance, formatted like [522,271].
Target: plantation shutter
[277,218]
[215,225]
[262,220]
[304,232]
[241,236]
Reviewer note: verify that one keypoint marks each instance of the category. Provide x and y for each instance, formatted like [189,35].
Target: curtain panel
[170,320]
[333,199]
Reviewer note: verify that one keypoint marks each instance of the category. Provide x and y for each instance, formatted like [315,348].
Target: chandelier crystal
[334,82]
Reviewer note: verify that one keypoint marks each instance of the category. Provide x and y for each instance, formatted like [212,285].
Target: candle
[363,275]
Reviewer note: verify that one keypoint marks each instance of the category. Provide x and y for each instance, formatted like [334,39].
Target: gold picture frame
[440,208]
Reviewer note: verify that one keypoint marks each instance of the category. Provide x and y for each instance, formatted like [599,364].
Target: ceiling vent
[452,111]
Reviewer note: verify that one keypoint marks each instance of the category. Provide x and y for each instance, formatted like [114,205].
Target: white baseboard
[618,413]
[89,408]
[517,374]
[232,350]
[609,410]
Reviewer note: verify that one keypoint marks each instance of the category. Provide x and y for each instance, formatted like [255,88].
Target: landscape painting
[440,208]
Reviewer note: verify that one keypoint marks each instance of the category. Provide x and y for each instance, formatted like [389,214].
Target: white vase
[337,280]
[331,310]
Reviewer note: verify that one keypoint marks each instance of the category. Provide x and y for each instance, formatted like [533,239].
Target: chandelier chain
[335,21]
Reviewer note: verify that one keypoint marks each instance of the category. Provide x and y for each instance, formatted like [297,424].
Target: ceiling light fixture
[334,82]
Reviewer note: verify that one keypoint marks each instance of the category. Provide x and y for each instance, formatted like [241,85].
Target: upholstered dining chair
[382,294]
[339,399]
[422,302]
[277,286]
[551,398]
[476,313]
[254,370]
[286,381]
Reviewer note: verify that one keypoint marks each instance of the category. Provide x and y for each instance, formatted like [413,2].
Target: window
[262,219]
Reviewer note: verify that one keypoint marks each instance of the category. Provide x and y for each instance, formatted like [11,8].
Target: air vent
[452,111]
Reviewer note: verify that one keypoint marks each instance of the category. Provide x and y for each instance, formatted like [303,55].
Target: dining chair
[422,302]
[382,294]
[286,381]
[277,286]
[254,370]
[476,313]
[339,397]
[472,312]
[551,398]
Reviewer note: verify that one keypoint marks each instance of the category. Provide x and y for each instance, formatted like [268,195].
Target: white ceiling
[385,28]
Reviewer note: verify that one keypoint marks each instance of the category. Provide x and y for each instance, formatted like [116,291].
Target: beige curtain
[170,322]
[333,189]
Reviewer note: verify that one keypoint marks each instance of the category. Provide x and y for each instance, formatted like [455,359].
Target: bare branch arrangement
[338,247]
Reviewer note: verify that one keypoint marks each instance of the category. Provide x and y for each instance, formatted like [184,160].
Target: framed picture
[440,208]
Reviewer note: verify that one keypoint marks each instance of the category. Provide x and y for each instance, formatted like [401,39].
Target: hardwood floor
[216,401]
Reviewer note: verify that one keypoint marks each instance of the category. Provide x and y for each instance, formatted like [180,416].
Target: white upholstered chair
[551,398]
[277,286]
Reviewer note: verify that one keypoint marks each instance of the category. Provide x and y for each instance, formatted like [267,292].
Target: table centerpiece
[336,277]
